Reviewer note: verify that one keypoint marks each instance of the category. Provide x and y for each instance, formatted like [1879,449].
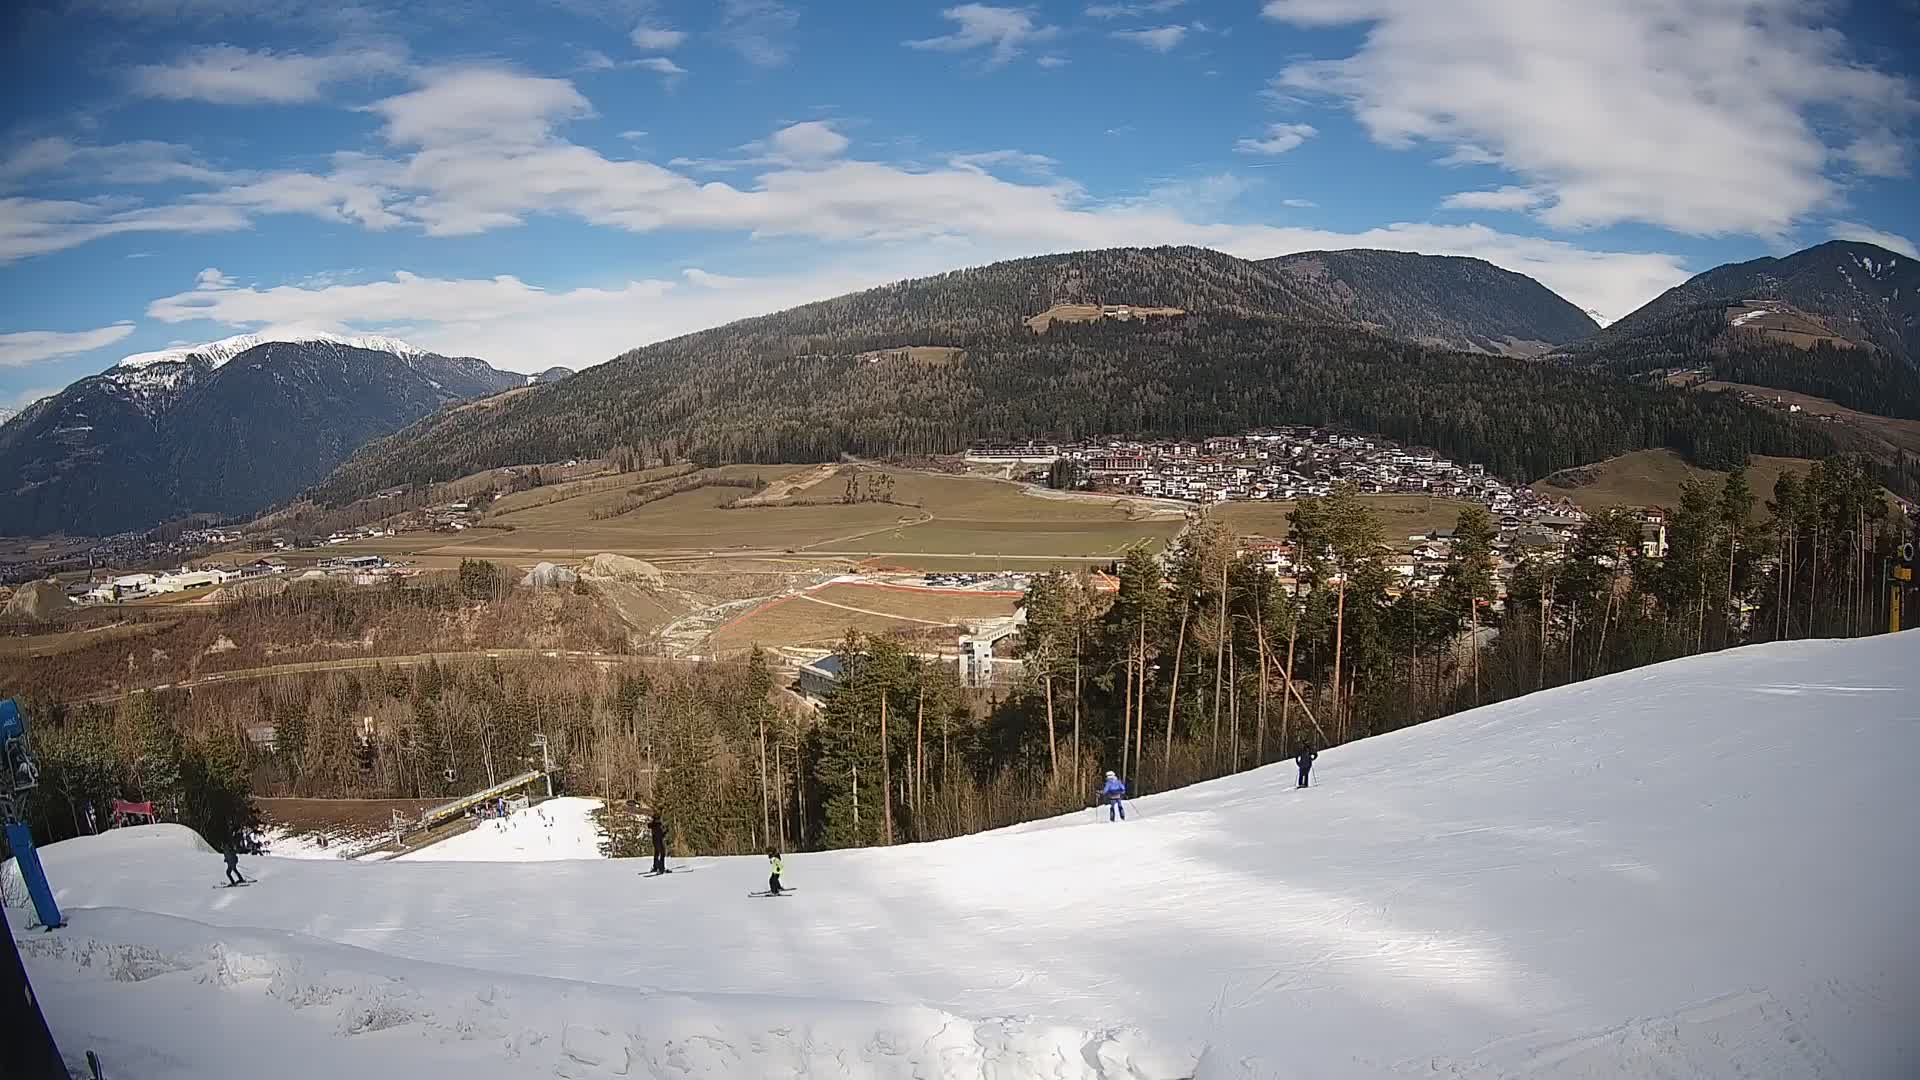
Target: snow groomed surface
[1701,869]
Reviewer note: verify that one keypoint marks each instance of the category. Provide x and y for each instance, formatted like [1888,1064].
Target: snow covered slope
[561,828]
[1701,869]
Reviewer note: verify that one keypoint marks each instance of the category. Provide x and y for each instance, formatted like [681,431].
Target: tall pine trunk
[1233,711]
[1339,631]
[1173,692]
[1126,714]
[886,776]
[1219,662]
[766,809]
[1140,705]
[1076,710]
[1053,755]
[1260,703]
[1286,699]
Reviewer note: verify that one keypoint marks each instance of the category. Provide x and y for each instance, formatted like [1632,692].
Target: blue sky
[552,183]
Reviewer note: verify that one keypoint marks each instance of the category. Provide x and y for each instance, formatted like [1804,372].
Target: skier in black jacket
[1305,761]
[658,829]
[234,876]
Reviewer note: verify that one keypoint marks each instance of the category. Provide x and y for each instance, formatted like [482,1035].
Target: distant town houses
[1282,465]
[1293,463]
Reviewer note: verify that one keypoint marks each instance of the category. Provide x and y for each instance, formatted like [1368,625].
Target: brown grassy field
[1653,478]
[938,606]
[339,817]
[1400,516]
[793,621]
[53,644]
[823,616]
[956,517]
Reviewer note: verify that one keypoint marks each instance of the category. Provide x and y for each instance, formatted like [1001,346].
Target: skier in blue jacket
[1116,794]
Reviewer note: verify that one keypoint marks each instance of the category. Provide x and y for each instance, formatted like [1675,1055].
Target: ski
[233,884]
[782,892]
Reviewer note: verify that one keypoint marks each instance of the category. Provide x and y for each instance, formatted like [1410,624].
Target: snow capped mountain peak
[219,352]
[225,349]
[1597,317]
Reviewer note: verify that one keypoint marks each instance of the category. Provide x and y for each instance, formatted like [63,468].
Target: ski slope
[562,828]
[1701,869]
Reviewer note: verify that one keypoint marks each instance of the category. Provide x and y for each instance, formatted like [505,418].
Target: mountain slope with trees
[1449,302]
[217,431]
[1838,321]
[1864,292]
[1254,347]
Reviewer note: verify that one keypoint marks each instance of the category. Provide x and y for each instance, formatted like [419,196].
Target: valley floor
[1698,869]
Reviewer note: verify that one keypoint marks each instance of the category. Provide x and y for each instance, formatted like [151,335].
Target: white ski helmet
[1110,775]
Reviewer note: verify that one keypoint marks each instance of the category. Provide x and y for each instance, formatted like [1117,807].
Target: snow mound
[562,828]
[320,1010]
[1700,869]
[36,601]
[621,568]
[547,575]
[133,840]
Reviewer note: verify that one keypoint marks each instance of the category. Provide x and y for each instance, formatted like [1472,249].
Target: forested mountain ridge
[774,389]
[1861,291]
[1438,300]
[228,429]
[1839,321]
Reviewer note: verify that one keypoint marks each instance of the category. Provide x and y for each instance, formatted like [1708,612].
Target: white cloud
[479,103]
[34,346]
[1002,31]
[1299,204]
[1279,139]
[1013,159]
[759,30]
[808,141]
[143,161]
[714,281]
[228,75]
[1159,38]
[1878,154]
[633,136]
[595,60]
[37,226]
[337,197]
[1469,154]
[1703,116]
[1052,61]
[657,38]
[505,320]
[1853,230]
[662,65]
[1503,198]
[1132,10]
[474,149]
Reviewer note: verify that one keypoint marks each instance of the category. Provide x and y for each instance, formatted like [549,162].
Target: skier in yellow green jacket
[773,879]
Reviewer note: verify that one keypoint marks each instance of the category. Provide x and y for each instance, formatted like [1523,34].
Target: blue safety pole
[20,839]
[19,777]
